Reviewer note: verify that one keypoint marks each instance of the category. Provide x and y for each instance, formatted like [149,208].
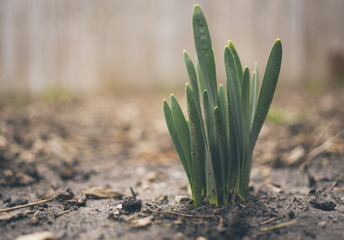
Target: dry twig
[285,224]
[269,220]
[320,149]
[220,218]
[192,216]
[26,205]
[63,212]
[133,193]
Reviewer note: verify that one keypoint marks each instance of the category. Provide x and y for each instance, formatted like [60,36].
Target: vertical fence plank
[81,44]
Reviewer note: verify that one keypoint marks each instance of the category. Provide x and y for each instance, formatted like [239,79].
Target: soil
[105,168]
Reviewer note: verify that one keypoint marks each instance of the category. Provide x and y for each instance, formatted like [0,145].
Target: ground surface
[60,151]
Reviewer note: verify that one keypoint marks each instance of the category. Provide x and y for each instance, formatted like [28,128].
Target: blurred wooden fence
[81,44]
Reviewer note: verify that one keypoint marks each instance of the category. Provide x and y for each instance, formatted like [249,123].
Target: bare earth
[105,168]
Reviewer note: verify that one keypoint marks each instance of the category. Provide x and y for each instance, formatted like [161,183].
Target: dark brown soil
[108,171]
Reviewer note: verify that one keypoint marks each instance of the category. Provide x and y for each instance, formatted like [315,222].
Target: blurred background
[85,45]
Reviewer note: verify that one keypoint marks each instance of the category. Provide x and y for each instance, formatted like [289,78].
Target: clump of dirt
[131,204]
[104,168]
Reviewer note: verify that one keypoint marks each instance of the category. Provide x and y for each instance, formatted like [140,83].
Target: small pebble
[201,238]
[312,191]
[342,200]
[63,195]
[132,205]
[178,236]
[19,201]
[179,199]
[322,224]
[291,214]
[161,198]
[323,204]
[178,222]
[37,236]
[143,222]
[81,199]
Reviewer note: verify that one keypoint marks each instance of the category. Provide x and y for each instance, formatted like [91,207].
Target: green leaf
[182,129]
[236,58]
[245,100]
[234,99]
[197,147]
[176,140]
[245,117]
[192,76]
[211,174]
[193,80]
[205,53]
[221,169]
[245,106]
[210,127]
[254,94]
[267,90]
[223,104]
[201,80]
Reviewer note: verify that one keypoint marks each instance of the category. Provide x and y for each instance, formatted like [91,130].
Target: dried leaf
[143,222]
[102,192]
[37,236]
[295,155]
[10,216]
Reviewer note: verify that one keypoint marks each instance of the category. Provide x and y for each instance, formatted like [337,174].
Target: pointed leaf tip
[196,7]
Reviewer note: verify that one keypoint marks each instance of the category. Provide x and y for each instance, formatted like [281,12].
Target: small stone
[342,200]
[132,205]
[161,198]
[291,214]
[322,224]
[19,201]
[201,238]
[178,222]
[179,199]
[81,199]
[312,191]
[323,204]
[102,192]
[143,222]
[37,236]
[178,236]
[64,195]
[119,206]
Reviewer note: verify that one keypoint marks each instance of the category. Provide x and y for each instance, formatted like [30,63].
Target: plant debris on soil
[104,168]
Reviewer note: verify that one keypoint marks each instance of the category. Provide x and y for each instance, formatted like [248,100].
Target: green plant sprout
[216,143]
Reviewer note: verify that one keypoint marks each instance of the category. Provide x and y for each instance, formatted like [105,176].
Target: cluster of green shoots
[216,143]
